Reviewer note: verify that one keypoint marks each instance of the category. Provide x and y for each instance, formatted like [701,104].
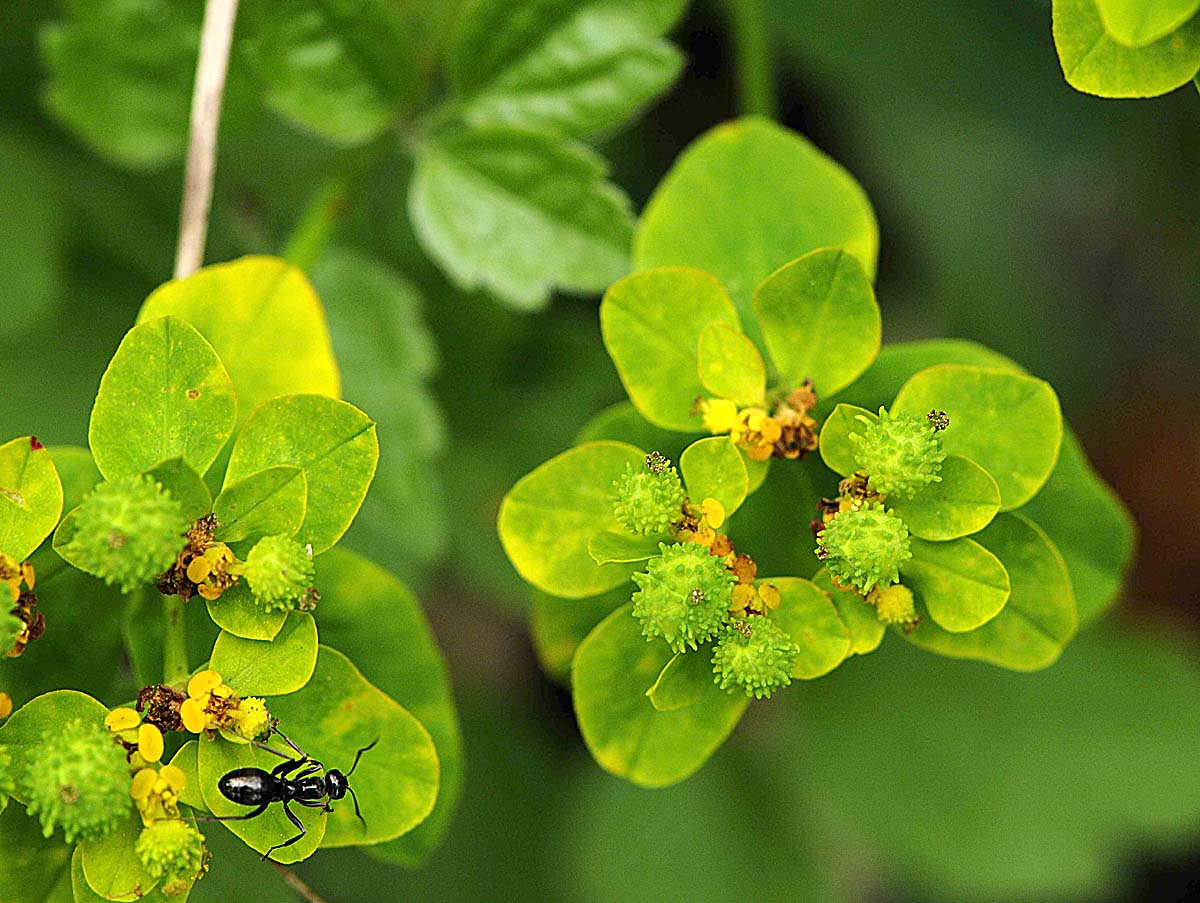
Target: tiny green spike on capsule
[127,531]
[683,595]
[77,778]
[755,654]
[864,547]
[172,851]
[648,500]
[900,454]
[280,572]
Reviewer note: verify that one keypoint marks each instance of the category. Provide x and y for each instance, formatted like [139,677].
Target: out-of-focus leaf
[31,496]
[560,625]
[576,67]
[519,213]
[713,467]
[32,221]
[730,365]
[344,69]
[621,422]
[748,197]
[33,869]
[1136,23]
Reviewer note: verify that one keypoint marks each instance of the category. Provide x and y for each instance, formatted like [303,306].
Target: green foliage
[961,583]
[279,571]
[755,655]
[1115,48]
[713,468]
[648,499]
[31,496]
[269,502]
[864,547]
[682,596]
[730,366]
[901,454]
[282,664]
[963,501]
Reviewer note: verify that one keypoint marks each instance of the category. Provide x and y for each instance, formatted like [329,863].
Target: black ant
[256,787]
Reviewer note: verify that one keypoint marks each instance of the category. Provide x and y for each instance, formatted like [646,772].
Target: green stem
[175,663]
[752,52]
[317,223]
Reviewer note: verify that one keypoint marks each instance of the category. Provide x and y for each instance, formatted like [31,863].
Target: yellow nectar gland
[127,726]
[156,792]
[714,512]
[756,433]
[213,705]
[6,705]
[718,414]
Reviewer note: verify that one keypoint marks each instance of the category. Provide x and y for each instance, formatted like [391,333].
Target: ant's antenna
[357,811]
[358,756]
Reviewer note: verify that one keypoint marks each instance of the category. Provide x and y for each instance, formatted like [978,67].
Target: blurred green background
[1058,228]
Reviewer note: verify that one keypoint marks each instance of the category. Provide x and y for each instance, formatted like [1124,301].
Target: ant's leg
[286,739]
[314,767]
[316,804]
[273,751]
[257,812]
[283,769]
[287,843]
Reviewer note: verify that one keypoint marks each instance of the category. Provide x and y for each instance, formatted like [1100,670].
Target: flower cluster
[683,595]
[127,531]
[280,573]
[786,431]
[755,654]
[894,605]
[649,499]
[173,852]
[900,453]
[77,778]
[23,623]
[212,705]
[863,545]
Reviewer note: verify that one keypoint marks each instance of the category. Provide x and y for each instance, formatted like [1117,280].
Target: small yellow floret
[203,683]
[714,512]
[150,742]
[719,414]
[122,719]
[193,716]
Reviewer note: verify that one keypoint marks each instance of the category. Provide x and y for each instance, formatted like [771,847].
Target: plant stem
[752,53]
[175,663]
[311,234]
[216,38]
[296,883]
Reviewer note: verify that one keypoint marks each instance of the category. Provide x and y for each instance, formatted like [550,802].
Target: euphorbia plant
[945,495]
[223,469]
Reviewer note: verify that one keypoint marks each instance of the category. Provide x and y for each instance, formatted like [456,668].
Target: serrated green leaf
[837,451]
[810,618]
[607,547]
[652,323]
[1136,23]
[185,486]
[746,198]
[560,625]
[963,502]
[31,496]
[343,69]
[269,668]
[624,732]
[1096,63]
[264,320]
[374,617]
[338,713]
[271,502]
[866,630]
[548,518]
[730,365]
[1009,424]
[165,394]
[820,320]
[1089,525]
[111,866]
[334,444]
[236,612]
[714,468]
[124,95]
[684,680]
[578,68]
[519,214]
[960,583]
[1039,617]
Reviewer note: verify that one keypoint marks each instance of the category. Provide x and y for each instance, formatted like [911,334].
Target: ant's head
[338,784]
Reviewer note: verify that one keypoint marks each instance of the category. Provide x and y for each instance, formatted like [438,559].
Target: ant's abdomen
[247,786]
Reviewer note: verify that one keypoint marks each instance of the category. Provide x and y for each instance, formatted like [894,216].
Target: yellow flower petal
[210,591]
[770,596]
[174,776]
[122,719]
[150,742]
[203,683]
[714,512]
[143,783]
[192,713]
[198,568]
[719,414]
[6,705]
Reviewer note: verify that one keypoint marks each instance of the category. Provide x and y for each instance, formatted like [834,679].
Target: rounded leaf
[237,613]
[625,733]
[165,395]
[963,502]
[837,451]
[607,547]
[331,441]
[866,630]
[1008,423]
[820,320]
[185,486]
[961,584]
[1039,618]
[652,323]
[272,667]
[683,681]
[747,197]
[25,729]
[549,517]
[338,713]
[730,365]
[1136,23]
[812,621]
[264,320]
[31,496]
[271,502]
[560,625]
[111,866]
[714,468]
